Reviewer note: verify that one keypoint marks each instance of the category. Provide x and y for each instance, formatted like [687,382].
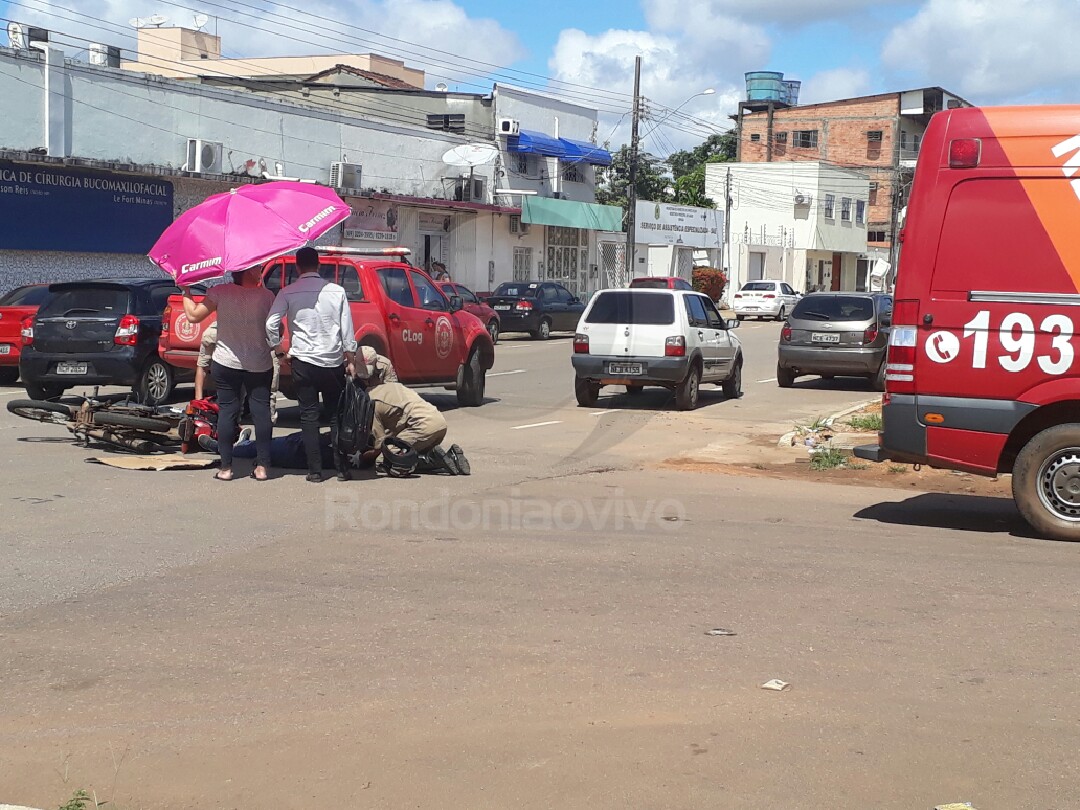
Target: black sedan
[536,307]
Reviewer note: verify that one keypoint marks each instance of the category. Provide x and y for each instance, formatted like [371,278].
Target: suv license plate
[624,368]
[5,348]
[824,337]
[71,368]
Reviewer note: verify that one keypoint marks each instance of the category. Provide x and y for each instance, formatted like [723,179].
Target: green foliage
[613,182]
[80,800]
[897,469]
[715,149]
[866,421]
[827,458]
[690,189]
[710,281]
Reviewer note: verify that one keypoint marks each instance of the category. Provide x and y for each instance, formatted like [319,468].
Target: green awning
[570,214]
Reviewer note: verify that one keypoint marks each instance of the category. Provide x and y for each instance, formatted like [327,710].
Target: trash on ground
[155,463]
[955,806]
[720,631]
[776,685]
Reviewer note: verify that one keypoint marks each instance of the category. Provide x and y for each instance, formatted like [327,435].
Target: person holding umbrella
[241,362]
[322,345]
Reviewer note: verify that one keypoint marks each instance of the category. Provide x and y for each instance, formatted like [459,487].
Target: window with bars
[779,137]
[845,209]
[522,263]
[830,205]
[573,173]
[874,135]
[519,163]
[454,122]
[805,138]
[755,137]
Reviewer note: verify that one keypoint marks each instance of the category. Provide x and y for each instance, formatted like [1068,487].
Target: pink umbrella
[244,227]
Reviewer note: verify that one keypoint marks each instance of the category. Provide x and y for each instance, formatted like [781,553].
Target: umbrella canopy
[244,227]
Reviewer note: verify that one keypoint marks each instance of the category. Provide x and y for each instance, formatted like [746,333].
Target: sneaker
[462,463]
[246,435]
[315,478]
[208,443]
[441,461]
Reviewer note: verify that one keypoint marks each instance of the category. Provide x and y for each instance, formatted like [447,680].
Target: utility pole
[727,225]
[631,192]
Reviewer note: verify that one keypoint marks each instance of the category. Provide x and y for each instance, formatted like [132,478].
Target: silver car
[835,335]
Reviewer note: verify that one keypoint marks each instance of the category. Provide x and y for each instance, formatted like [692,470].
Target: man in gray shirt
[322,345]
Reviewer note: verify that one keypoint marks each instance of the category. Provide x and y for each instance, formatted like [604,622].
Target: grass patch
[857,467]
[897,469]
[827,459]
[870,422]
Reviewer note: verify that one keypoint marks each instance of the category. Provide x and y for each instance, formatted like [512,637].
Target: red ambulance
[982,370]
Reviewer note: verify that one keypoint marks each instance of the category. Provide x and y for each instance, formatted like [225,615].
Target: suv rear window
[87,301]
[834,308]
[650,309]
[25,297]
[517,290]
[758,286]
[649,284]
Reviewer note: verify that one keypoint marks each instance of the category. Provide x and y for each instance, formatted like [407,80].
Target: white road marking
[771,379]
[504,373]
[537,424]
[599,413]
[13,394]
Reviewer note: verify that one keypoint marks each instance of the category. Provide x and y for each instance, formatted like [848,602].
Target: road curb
[788,438]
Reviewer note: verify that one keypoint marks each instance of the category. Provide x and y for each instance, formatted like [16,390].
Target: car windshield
[25,297]
[758,286]
[627,307]
[86,301]
[517,290]
[834,308]
[650,284]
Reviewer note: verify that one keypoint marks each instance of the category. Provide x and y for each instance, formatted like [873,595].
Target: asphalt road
[534,635]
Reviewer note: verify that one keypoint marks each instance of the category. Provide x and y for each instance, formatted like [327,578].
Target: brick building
[877,135]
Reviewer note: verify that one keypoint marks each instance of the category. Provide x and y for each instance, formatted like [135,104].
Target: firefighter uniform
[404,414]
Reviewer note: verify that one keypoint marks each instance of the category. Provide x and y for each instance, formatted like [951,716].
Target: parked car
[764,299]
[669,338]
[836,334]
[99,332]
[536,307]
[396,309]
[474,305]
[660,283]
[17,305]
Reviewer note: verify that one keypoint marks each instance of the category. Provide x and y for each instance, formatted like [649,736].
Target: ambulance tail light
[903,347]
[965,153]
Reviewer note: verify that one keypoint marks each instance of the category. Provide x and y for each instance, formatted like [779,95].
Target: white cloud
[440,33]
[830,85]
[705,14]
[991,51]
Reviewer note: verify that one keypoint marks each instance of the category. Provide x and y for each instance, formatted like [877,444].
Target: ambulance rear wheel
[1046,482]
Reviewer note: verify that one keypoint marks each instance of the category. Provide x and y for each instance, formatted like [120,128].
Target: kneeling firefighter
[407,430]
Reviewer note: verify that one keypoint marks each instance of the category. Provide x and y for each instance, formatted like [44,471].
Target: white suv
[765,299]
[675,339]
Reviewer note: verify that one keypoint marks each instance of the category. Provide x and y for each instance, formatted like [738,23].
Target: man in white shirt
[322,345]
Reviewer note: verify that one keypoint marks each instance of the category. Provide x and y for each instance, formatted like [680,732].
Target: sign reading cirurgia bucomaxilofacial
[668,224]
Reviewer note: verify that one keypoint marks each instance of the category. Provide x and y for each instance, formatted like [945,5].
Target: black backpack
[350,432]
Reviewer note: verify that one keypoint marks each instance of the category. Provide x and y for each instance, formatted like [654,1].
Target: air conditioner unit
[345,176]
[203,157]
[509,126]
[517,226]
[802,198]
[469,189]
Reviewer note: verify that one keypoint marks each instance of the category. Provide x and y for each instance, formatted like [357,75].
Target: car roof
[112,282]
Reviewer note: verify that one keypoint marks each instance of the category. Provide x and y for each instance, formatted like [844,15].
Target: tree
[688,168]
[613,182]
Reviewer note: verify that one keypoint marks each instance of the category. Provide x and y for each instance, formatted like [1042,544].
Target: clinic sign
[62,209]
[375,221]
[681,225]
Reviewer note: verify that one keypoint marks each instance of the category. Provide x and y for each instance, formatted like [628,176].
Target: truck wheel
[785,377]
[37,391]
[586,392]
[474,381]
[686,393]
[155,383]
[1046,482]
[544,332]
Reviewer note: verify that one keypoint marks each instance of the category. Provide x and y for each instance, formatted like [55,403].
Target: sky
[987,51]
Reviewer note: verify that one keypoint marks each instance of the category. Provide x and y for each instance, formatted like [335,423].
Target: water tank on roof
[791,92]
[764,85]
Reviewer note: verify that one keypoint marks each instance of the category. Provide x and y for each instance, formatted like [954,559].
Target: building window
[877,236]
[845,209]
[755,137]
[779,137]
[915,140]
[860,212]
[454,122]
[522,263]
[804,138]
[573,173]
[874,135]
[519,163]
[515,223]
[830,203]
[903,141]
[873,193]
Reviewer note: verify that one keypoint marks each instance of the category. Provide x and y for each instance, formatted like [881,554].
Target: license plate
[824,337]
[501,307]
[749,308]
[5,348]
[71,368]
[624,368]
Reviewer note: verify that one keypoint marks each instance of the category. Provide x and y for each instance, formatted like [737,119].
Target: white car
[674,339]
[765,299]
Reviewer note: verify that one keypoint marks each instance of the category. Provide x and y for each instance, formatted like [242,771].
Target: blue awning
[571,151]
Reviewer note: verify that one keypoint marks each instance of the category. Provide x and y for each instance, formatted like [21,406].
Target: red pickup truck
[396,309]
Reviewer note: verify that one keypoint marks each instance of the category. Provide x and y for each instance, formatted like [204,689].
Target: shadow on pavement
[835,384]
[969,513]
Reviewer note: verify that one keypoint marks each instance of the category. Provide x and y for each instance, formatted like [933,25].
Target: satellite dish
[16,36]
[201,20]
[441,87]
[157,20]
[471,154]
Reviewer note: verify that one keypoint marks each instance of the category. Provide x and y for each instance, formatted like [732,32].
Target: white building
[800,222]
